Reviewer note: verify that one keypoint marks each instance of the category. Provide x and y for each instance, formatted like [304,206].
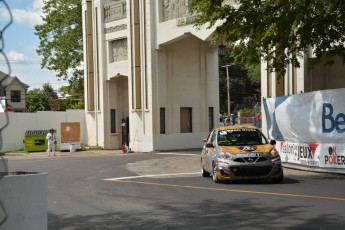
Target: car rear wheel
[214,174]
[203,171]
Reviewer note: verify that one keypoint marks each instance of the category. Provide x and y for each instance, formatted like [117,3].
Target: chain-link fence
[244,114]
[5,10]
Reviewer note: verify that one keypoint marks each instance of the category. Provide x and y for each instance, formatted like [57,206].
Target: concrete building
[151,77]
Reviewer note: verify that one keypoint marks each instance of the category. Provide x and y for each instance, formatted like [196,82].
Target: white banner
[309,127]
[314,155]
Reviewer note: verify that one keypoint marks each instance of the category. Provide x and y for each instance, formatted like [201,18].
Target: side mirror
[209,145]
[273,142]
[204,140]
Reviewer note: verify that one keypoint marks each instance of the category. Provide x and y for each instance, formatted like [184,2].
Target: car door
[209,149]
[204,151]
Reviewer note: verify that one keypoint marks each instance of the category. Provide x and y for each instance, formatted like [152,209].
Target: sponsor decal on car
[242,130]
[248,148]
[248,155]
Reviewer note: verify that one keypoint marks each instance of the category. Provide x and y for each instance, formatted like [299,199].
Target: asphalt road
[111,190]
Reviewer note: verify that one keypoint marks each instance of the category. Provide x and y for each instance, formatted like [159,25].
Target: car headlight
[273,153]
[225,155]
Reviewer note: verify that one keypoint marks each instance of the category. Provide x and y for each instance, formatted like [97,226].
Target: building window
[294,80]
[89,58]
[98,78]
[186,120]
[269,81]
[2,93]
[113,121]
[210,118]
[15,95]
[162,120]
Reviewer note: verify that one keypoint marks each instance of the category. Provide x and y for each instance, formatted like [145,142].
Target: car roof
[230,127]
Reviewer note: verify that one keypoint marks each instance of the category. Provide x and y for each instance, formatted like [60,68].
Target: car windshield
[240,137]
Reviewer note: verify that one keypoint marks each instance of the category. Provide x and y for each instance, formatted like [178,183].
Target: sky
[19,44]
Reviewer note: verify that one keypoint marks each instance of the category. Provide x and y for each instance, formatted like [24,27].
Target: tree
[49,92]
[40,99]
[62,104]
[279,31]
[61,40]
[36,101]
[244,91]
[46,99]
[244,82]
[74,91]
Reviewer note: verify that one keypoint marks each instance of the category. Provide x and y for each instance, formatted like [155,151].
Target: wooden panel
[70,132]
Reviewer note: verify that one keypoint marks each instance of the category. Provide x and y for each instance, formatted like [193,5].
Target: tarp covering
[309,127]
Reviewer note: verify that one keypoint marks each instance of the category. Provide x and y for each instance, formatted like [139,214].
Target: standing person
[51,137]
[232,119]
[258,119]
[221,123]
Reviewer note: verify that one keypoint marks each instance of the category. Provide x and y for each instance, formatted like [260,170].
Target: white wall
[17,123]
[326,76]
[187,76]
[176,141]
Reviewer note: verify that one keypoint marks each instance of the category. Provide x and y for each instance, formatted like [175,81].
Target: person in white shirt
[221,123]
[51,137]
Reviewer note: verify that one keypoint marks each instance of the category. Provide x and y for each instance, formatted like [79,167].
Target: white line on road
[146,176]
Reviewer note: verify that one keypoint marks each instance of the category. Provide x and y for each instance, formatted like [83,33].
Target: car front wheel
[278,180]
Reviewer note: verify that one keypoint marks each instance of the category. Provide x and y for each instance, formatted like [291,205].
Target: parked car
[240,153]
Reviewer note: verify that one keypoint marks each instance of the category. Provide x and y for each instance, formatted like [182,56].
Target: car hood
[246,149]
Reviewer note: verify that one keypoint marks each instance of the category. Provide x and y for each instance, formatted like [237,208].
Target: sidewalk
[63,153]
[89,152]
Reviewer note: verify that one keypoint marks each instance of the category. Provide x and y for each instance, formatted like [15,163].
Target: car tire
[278,180]
[203,171]
[214,174]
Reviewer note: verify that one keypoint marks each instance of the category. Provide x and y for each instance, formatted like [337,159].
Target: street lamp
[228,87]
[221,54]
[221,51]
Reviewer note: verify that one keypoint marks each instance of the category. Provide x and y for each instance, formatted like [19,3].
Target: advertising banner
[326,155]
[309,128]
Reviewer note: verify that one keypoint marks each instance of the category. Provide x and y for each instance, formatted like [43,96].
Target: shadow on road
[206,214]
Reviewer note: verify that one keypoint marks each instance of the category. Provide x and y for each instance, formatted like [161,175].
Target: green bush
[247,110]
